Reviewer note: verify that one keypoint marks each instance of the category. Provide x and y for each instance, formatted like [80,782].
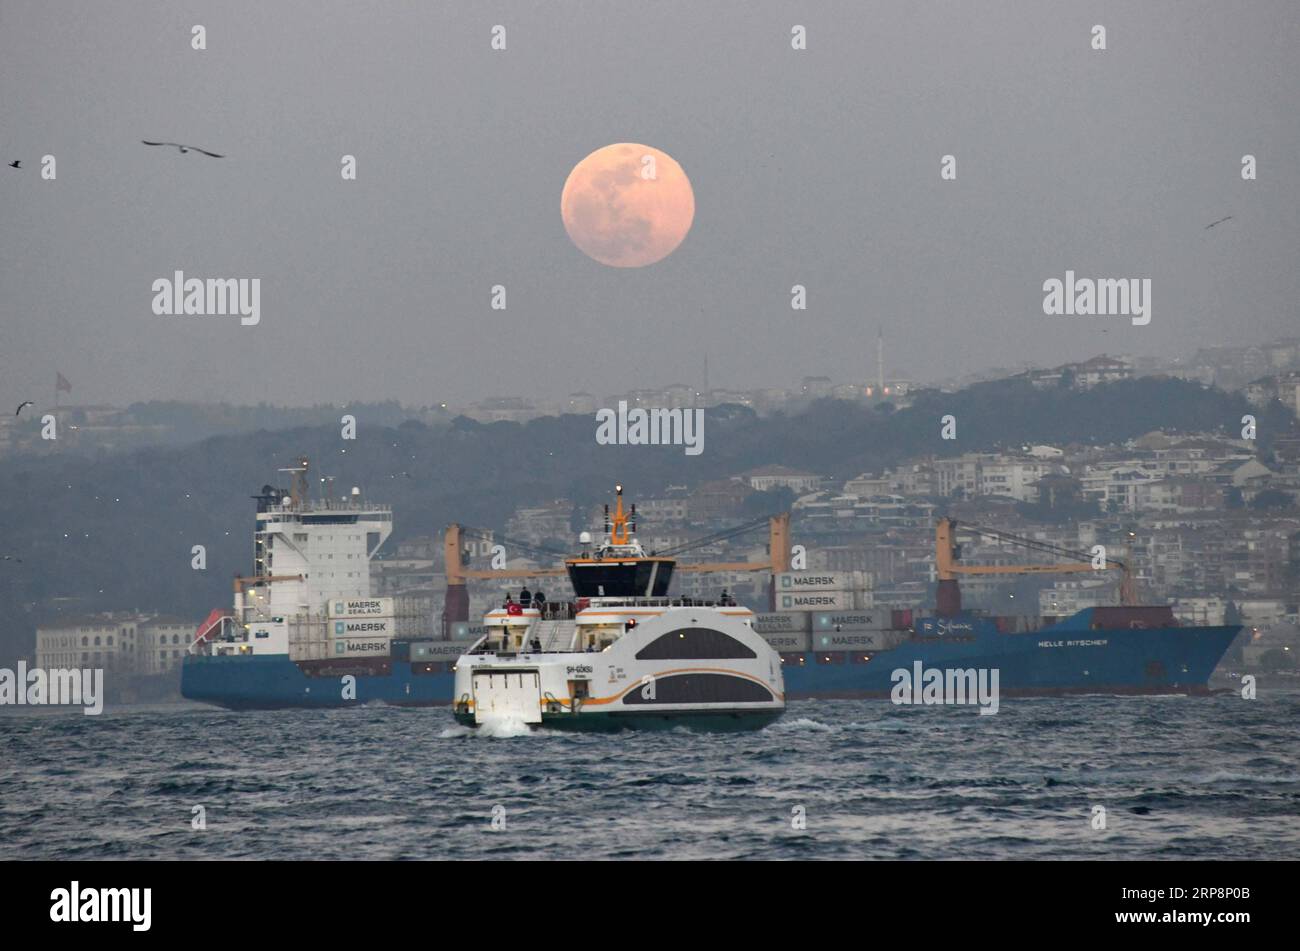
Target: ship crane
[947,553]
[778,547]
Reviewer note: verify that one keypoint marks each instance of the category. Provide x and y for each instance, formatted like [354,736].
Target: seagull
[21,405]
[184,148]
[10,558]
[1219,222]
[16,163]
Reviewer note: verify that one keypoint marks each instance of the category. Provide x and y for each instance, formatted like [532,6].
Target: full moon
[627,205]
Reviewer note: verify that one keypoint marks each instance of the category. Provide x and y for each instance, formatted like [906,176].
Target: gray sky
[818,167]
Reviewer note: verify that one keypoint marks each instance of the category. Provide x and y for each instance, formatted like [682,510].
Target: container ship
[1123,649]
[305,631]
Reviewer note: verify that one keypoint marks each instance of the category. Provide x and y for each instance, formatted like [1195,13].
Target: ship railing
[680,602]
[481,646]
[568,610]
[328,505]
[555,611]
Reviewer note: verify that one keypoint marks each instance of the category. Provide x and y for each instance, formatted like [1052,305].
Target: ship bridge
[618,567]
[314,549]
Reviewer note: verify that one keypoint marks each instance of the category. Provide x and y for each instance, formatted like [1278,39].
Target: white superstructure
[309,594]
[321,549]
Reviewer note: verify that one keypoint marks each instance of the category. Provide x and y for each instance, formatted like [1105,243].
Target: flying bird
[184,148]
[16,163]
[21,405]
[1219,222]
[10,558]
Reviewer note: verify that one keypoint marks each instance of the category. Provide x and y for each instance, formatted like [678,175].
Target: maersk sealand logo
[339,607]
[340,627]
[339,647]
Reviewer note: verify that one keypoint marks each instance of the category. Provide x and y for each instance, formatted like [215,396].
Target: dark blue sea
[1178,777]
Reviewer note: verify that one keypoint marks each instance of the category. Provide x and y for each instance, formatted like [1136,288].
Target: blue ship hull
[1075,655]
[273,681]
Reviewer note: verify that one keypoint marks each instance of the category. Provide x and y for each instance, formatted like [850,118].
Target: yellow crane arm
[946,566]
[1025,569]
[725,566]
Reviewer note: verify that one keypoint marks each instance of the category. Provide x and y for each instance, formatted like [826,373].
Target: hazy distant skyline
[817,167]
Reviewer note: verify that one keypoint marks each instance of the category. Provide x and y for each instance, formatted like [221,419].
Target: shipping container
[362,627]
[788,581]
[465,631]
[360,647]
[814,600]
[360,607]
[787,641]
[852,640]
[795,621]
[308,637]
[850,621]
[435,650]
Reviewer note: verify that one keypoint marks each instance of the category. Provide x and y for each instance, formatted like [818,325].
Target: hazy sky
[818,167]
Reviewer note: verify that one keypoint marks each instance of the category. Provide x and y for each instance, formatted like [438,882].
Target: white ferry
[622,654]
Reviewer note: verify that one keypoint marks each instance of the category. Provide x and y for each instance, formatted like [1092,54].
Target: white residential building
[771,477]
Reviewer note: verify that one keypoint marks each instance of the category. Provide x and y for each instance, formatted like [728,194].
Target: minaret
[880,361]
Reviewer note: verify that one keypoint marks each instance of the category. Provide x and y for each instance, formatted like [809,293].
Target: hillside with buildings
[1155,466]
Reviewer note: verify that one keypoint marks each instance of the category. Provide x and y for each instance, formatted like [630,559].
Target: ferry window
[694,643]
[700,688]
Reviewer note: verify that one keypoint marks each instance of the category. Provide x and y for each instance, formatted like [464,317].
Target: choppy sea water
[1179,777]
